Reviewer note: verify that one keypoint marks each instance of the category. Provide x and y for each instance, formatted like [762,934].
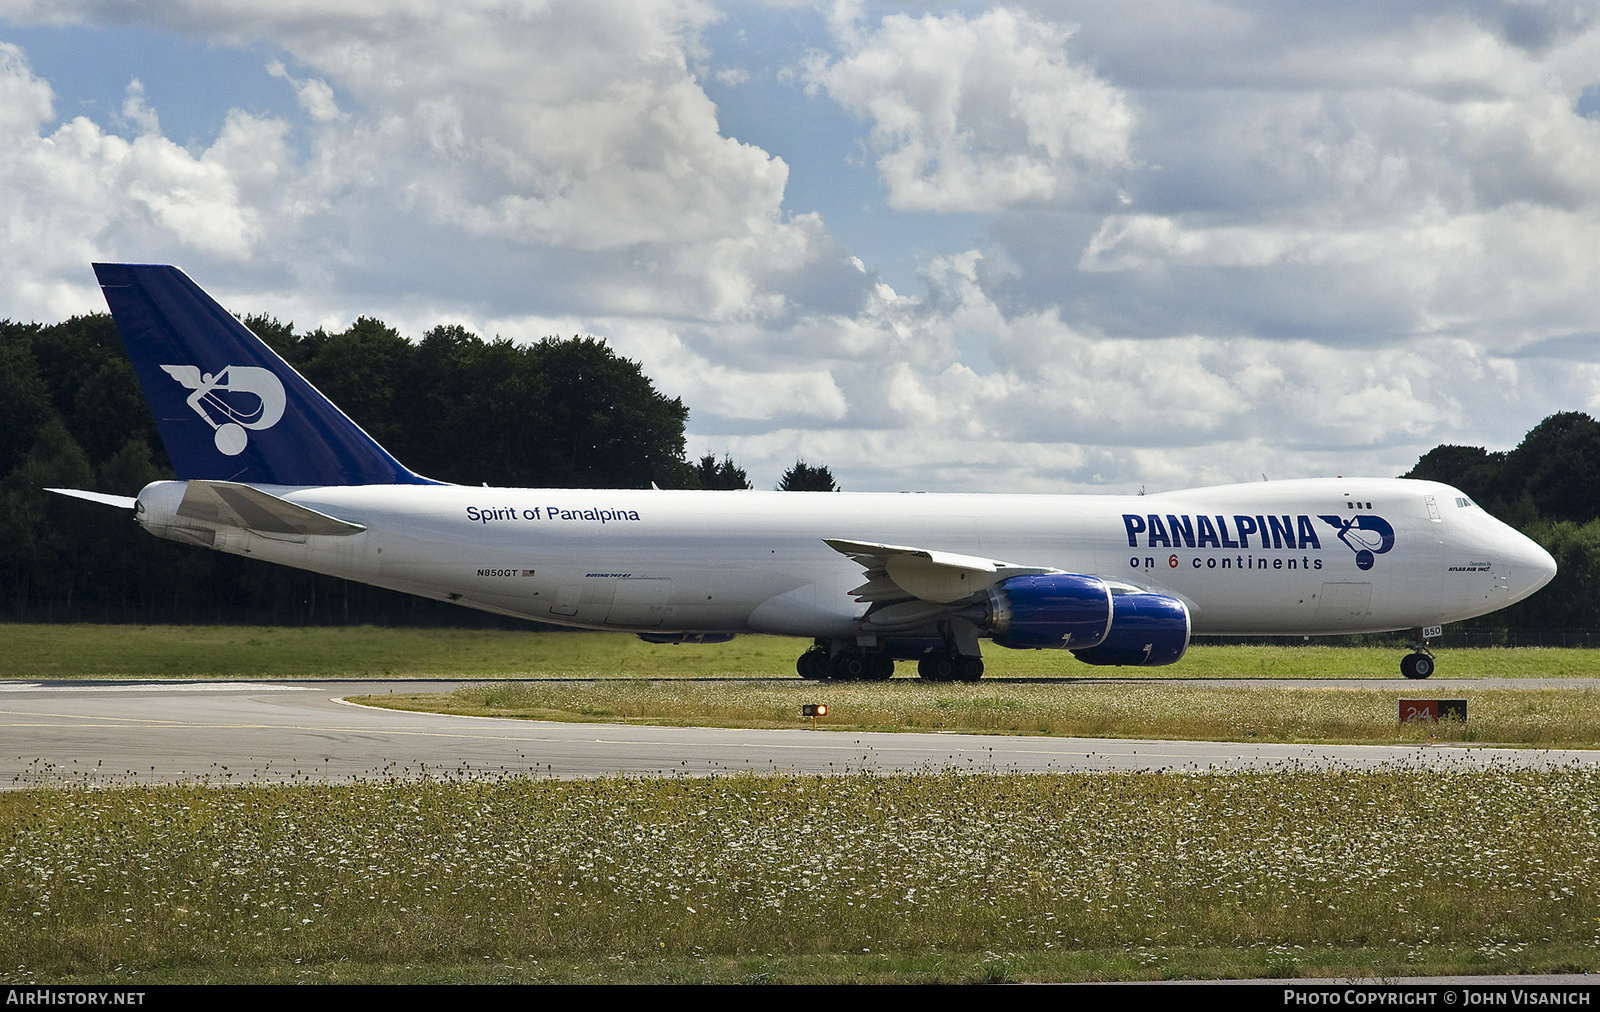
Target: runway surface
[154,732]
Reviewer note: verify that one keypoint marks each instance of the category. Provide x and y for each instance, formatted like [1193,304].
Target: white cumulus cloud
[979,114]
[1217,237]
[71,192]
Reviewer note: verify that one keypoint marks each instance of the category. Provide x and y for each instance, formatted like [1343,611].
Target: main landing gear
[950,667]
[846,664]
[1419,663]
[843,661]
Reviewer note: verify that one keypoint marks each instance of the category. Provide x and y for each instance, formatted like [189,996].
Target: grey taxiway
[115,732]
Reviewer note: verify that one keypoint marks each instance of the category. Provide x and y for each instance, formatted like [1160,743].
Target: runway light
[813,710]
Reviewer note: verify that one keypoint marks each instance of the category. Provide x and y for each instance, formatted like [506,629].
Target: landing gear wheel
[938,667]
[969,669]
[813,664]
[880,666]
[1418,665]
[850,666]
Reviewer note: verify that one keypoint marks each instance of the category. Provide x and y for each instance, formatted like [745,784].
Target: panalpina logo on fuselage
[243,396]
[1365,534]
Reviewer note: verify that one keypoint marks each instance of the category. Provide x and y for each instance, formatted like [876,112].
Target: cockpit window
[1462,502]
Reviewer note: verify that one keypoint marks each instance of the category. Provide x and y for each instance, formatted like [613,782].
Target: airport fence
[1504,636]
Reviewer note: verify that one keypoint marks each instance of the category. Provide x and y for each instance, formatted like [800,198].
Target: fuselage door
[640,602]
[1343,603]
[567,599]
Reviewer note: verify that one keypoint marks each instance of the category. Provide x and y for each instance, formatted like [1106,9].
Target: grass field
[1549,718]
[100,651]
[906,878]
[912,878]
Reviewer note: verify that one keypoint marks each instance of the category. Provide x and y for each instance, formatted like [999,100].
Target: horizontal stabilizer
[900,572]
[122,501]
[228,504]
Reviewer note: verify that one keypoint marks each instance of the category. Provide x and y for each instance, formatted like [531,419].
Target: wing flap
[900,572]
[879,588]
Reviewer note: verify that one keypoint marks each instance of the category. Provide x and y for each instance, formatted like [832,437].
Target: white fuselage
[676,561]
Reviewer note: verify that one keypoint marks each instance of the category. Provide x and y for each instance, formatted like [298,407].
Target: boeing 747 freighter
[269,468]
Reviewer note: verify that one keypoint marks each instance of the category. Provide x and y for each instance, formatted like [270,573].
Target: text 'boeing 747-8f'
[271,469]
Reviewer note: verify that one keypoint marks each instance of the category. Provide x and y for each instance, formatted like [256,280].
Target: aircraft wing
[229,504]
[902,573]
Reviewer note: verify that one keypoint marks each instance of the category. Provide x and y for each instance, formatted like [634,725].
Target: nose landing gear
[1419,663]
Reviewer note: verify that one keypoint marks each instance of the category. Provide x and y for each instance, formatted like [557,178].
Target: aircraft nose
[1531,566]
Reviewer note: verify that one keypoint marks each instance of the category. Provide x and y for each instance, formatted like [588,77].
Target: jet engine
[1146,630]
[1065,611]
[1056,611]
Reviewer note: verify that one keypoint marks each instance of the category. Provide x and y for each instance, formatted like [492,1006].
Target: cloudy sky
[1034,247]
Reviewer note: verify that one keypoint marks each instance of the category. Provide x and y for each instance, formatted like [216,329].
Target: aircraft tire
[1416,666]
[813,664]
[938,667]
[880,666]
[969,669]
[851,666]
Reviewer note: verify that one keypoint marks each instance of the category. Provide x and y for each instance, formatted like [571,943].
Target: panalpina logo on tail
[231,400]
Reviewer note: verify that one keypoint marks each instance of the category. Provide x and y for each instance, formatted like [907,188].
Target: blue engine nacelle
[1146,630]
[1060,611]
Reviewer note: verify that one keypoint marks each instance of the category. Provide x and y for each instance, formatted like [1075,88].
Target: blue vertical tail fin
[227,407]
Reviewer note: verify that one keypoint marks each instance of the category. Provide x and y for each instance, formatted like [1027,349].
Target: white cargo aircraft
[269,468]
